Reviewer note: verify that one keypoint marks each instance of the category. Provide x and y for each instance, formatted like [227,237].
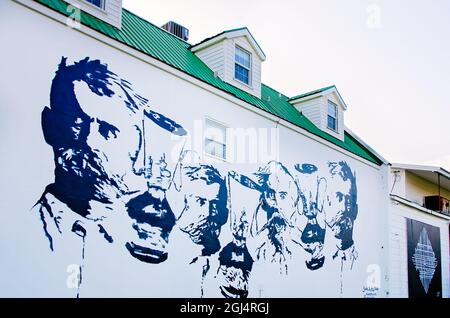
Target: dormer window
[235,57]
[242,67]
[332,122]
[98,3]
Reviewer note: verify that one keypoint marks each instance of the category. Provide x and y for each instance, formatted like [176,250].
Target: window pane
[215,139]
[215,148]
[242,57]
[241,74]
[215,133]
[98,3]
[332,109]
[331,122]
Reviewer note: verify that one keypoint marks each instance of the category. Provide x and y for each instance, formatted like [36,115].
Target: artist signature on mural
[370,291]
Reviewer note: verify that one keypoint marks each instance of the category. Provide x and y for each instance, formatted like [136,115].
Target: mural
[424,260]
[113,174]
[204,210]
[278,201]
[236,262]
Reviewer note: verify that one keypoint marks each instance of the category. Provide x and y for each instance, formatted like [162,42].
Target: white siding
[398,261]
[214,57]
[220,57]
[112,13]
[316,110]
[312,109]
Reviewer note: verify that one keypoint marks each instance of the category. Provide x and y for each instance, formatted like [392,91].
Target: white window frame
[209,122]
[330,102]
[102,8]
[249,84]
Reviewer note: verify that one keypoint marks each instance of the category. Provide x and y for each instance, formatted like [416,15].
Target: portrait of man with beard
[203,213]
[271,221]
[94,124]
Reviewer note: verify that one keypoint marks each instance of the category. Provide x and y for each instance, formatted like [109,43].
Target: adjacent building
[419,231]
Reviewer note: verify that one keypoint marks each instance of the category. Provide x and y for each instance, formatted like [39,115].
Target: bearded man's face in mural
[279,198]
[95,125]
[343,208]
[93,149]
[205,206]
[114,136]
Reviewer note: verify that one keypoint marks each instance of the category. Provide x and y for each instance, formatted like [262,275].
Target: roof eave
[229,35]
[443,172]
[318,93]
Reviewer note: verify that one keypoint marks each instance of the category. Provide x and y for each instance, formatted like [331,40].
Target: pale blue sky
[392,69]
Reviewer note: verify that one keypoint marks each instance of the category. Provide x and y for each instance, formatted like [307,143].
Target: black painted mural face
[313,189]
[205,207]
[281,195]
[114,133]
[343,209]
[93,149]
[96,127]
[195,218]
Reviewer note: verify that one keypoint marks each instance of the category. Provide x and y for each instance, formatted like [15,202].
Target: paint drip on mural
[111,172]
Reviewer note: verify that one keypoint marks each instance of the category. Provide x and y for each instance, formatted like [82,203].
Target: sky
[390,60]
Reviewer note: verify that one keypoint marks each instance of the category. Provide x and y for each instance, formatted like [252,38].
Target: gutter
[413,205]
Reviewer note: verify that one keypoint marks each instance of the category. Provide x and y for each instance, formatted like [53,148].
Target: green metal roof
[148,38]
[320,90]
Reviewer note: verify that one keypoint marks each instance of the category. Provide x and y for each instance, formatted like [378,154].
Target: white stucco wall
[28,266]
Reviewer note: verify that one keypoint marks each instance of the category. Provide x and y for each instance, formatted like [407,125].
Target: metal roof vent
[178,30]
